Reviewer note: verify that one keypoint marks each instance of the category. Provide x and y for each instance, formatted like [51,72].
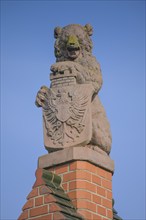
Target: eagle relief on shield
[67,116]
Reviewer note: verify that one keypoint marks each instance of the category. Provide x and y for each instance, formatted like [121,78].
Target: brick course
[46,200]
[88,186]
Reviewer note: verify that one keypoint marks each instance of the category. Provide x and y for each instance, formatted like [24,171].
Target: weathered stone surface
[75,71]
[67,117]
[76,153]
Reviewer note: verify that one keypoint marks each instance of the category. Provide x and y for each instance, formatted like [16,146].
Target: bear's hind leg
[101,135]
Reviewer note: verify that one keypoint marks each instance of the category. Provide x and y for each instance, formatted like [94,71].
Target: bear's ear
[57,32]
[88,28]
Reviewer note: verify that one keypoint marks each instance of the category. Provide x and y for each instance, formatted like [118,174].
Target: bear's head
[72,41]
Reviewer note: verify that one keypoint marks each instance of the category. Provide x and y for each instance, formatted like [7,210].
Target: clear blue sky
[27,53]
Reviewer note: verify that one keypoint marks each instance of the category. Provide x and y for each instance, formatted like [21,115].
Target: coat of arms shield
[67,117]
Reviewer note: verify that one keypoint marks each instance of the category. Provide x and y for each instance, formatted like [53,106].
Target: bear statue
[73,51]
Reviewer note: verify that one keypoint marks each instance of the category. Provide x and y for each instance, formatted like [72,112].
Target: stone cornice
[76,153]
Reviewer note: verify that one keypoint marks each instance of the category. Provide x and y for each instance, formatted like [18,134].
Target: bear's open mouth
[73,52]
[71,48]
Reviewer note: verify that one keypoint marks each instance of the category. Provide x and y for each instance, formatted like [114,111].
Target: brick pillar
[86,177]
[48,200]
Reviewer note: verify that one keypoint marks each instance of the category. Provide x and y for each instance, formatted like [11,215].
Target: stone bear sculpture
[73,51]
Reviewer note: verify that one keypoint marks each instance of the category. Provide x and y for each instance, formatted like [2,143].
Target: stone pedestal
[86,177]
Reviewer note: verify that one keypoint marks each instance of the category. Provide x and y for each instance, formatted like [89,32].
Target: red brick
[54,208]
[91,187]
[44,190]
[101,172]
[101,210]
[69,176]
[78,165]
[28,204]
[101,191]
[82,185]
[39,211]
[91,206]
[85,204]
[85,213]
[82,165]
[65,186]
[45,217]
[58,216]
[33,193]
[96,179]
[39,180]
[49,198]
[107,184]
[109,194]
[104,218]
[106,203]
[72,194]
[79,174]
[73,166]
[96,217]
[110,214]
[61,169]
[109,176]
[79,194]
[96,199]
[90,167]
[24,215]
[77,185]
[39,201]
